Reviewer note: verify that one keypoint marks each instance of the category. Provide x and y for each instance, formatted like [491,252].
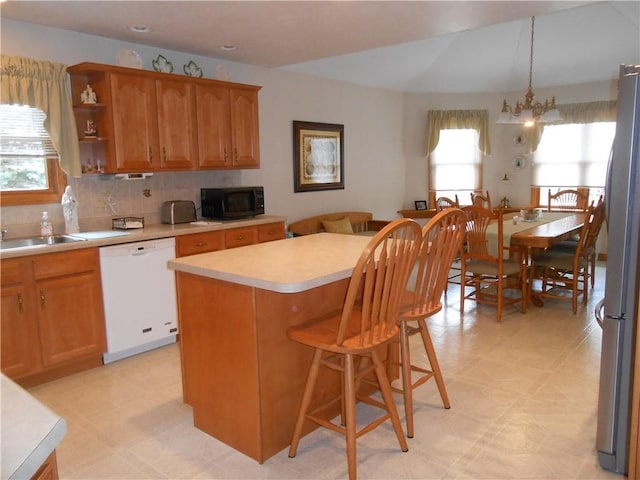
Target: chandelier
[529,111]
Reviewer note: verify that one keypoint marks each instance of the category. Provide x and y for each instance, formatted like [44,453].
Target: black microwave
[232,202]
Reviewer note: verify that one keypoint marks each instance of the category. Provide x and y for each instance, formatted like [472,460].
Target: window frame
[56,179]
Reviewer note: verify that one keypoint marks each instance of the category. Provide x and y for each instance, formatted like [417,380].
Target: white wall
[372,119]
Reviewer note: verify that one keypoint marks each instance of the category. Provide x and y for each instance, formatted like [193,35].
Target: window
[456,165]
[29,171]
[573,155]
[455,143]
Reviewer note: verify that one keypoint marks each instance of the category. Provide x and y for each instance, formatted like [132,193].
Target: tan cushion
[338,226]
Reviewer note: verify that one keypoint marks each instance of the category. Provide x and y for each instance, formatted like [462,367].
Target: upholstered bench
[360,223]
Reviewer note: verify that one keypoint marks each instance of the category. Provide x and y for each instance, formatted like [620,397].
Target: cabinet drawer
[199,243]
[272,231]
[65,263]
[238,237]
[11,272]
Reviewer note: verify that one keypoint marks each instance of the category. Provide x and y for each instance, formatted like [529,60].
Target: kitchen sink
[37,241]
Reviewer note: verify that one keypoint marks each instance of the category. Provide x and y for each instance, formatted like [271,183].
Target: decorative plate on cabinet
[161,64]
[192,69]
[128,58]
[222,73]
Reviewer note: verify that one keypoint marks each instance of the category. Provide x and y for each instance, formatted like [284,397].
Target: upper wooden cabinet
[227,120]
[150,121]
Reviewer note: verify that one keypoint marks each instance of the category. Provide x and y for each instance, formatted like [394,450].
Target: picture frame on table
[420,204]
[318,156]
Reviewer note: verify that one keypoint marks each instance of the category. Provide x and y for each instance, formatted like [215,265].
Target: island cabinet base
[241,374]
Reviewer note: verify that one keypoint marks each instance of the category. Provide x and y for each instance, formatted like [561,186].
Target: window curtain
[589,112]
[444,119]
[43,85]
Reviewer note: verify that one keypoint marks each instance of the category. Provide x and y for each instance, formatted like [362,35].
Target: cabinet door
[135,122]
[199,243]
[17,322]
[271,231]
[176,124]
[214,135]
[239,237]
[70,317]
[18,338]
[244,128]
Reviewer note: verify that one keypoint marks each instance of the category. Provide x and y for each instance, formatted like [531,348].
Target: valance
[449,119]
[43,85]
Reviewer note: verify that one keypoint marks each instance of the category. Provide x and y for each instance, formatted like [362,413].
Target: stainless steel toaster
[178,211]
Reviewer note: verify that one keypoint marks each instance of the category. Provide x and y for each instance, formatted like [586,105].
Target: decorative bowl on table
[530,214]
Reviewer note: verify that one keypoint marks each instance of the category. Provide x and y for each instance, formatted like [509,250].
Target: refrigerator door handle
[609,371]
[598,312]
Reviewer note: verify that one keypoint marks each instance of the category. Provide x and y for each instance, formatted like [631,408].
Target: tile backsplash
[102,197]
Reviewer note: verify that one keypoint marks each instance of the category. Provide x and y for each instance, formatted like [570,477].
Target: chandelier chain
[533,20]
[530,110]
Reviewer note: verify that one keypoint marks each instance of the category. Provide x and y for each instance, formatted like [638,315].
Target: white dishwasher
[139,297]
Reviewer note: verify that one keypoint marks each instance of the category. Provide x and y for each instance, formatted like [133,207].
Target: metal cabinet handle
[164,154]
[201,244]
[236,154]
[42,298]
[20,303]
[150,155]
[225,154]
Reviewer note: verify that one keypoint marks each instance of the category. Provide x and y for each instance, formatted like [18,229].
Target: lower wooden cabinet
[231,238]
[52,316]
[48,470]
[199,243]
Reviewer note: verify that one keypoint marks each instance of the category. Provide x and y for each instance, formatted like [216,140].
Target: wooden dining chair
[567,200]
[445,202]
[564,275]
[350,341]
[442,238]
[570,245]
[480,200]
[485,268]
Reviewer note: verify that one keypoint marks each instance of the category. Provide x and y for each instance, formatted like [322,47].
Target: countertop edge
[151,232]
[278,287]
[30,431]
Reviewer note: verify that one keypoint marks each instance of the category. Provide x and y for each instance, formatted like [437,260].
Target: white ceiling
[414,46]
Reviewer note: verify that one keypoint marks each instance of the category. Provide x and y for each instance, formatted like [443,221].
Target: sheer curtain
[588,112]
[43,85]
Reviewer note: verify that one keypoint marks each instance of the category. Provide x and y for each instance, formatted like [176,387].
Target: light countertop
[30,432]
[285,266]
[149,232]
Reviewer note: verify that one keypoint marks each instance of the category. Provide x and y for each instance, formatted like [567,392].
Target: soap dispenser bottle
[46,228]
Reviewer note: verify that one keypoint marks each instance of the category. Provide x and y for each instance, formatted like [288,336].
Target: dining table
[542,233]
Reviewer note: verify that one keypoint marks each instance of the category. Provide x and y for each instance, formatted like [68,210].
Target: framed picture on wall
[318,156]
[420,204]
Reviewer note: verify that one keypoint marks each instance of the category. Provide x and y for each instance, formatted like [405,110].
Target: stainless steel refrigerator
[618,317]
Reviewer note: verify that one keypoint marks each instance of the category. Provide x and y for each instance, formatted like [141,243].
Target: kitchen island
[242,375]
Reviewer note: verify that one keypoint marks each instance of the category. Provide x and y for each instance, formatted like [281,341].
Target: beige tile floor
[523,395]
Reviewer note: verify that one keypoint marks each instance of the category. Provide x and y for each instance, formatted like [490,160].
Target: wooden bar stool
[442,238]
[350,341]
